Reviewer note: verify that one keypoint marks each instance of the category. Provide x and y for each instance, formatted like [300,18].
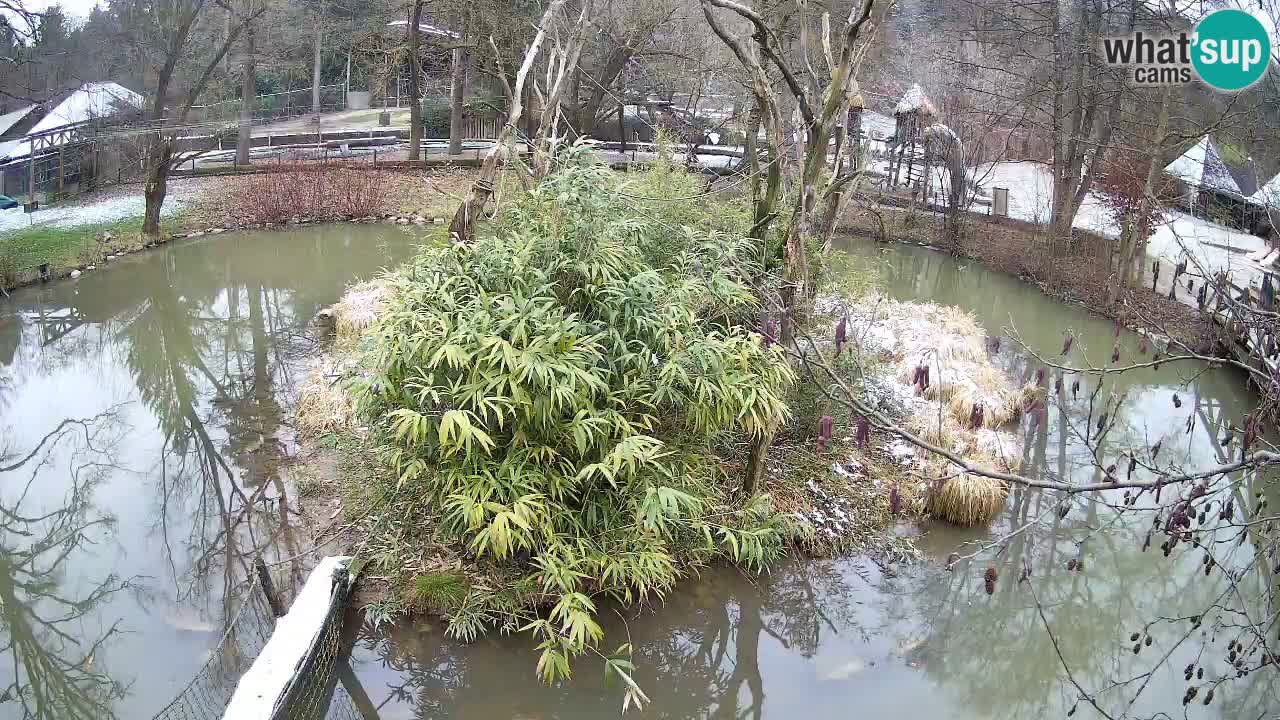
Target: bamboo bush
[558,390]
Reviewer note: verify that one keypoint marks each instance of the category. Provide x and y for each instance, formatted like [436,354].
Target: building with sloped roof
[47,142]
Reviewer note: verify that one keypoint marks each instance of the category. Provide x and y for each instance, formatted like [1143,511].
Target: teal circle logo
[1231,50]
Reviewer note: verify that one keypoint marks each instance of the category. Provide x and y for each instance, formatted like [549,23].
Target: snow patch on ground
[92,212]
[1214,247]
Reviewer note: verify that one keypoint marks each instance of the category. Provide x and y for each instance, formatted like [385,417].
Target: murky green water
[132,523]
[143,420]
[837,639]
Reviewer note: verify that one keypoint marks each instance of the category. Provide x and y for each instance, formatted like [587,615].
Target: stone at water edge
[75,274]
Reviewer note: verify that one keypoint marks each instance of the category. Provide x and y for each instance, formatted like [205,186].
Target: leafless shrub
[317,192]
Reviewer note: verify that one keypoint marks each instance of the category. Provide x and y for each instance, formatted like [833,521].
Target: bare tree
[561,67]
[463,226]
[248,92]
[170,39]
[822,104]
[414,29]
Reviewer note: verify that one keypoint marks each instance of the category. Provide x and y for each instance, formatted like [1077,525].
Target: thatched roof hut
[912,114]
[915,101]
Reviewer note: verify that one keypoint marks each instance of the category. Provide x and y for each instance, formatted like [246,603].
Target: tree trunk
[315,73]
[157,185]
[456,97]
[757,464]
[415,100]
[753,156]
[1139,227]
[248,95]
[853,133]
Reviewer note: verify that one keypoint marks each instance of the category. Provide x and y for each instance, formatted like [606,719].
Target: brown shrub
[318,192]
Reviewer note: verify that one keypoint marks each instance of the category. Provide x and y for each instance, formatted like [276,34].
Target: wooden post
[61,167]
[622,128]
[268,587]
[31,174]
[351,683]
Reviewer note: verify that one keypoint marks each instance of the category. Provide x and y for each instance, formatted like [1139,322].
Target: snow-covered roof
[1202,167]
[8,120]
[1268,194]
[914,100]
[427,28]
[89,101]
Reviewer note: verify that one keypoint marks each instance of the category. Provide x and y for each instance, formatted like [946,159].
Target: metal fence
[312,693]
[208,693]
[321,688]
[275,106]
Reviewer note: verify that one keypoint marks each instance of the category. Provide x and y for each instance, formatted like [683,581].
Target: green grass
[39,244]
[65,248]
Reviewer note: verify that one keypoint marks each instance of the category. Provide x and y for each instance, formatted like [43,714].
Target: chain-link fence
[322,686]
[208,693]
[275,106]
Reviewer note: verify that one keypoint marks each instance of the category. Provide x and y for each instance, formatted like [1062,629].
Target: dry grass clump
[359,308]
[967,500]
[951,344]
[324,405]
[961,376]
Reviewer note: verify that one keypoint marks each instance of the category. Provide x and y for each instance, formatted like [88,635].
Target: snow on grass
[963,381]
[91,212]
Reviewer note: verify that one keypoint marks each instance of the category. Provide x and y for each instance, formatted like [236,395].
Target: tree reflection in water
[993,653]
[50,661]
[700,652]
[211,351]
[207,339]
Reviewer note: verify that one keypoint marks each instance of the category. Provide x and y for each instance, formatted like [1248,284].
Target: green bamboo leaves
[558,389]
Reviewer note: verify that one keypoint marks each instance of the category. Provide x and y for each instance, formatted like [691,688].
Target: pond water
[144,425]
[841,638]
[143,420]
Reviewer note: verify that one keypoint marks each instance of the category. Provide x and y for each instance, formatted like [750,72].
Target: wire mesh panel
[207,695]
[312,693]
[321,686]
